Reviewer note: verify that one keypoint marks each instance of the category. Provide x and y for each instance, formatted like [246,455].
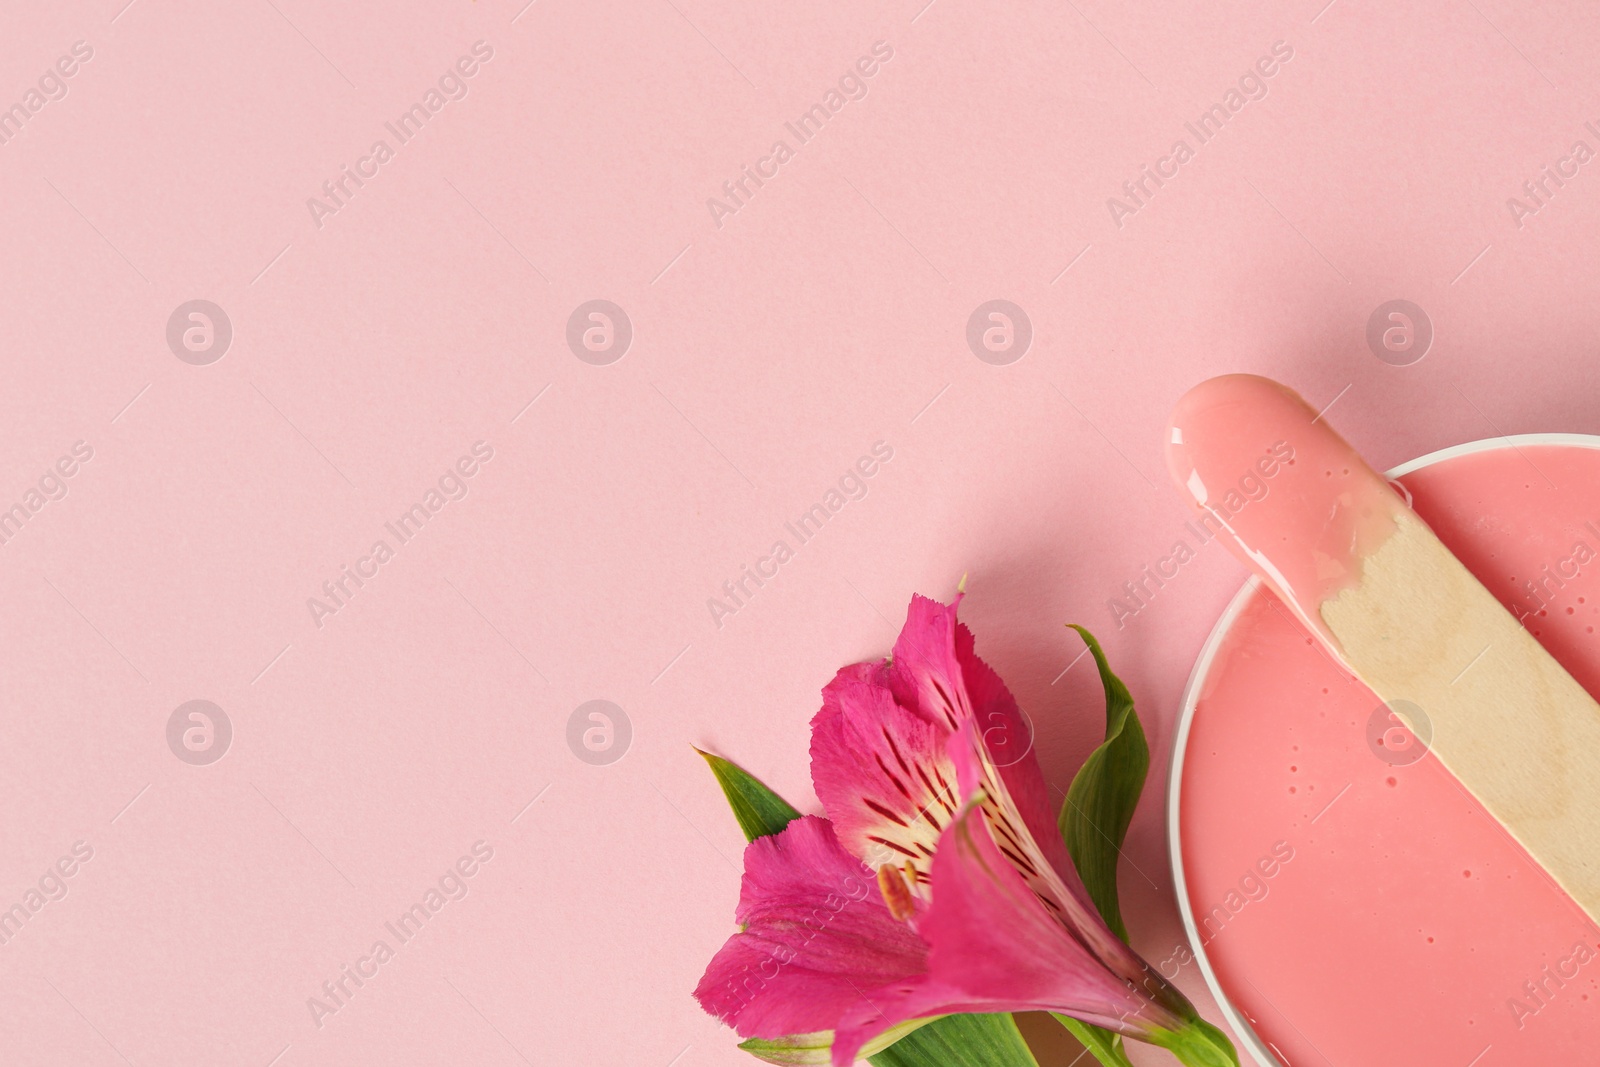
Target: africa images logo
[737,592]
[451,85]
[1250,86]
[452,485]
[50,87]
[852,85]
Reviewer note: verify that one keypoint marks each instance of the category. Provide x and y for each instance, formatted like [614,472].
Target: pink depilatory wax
[1355,902]
[1281,489]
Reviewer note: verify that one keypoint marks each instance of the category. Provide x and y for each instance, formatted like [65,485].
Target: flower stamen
[896,894]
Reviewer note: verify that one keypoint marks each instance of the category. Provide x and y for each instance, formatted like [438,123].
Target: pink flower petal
[996,947]
[818,938]
[923,672]
[936,669]
[1008,746]
[882,773]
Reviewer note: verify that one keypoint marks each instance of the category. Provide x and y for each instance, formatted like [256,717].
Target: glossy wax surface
[1405,925]
[1280,487]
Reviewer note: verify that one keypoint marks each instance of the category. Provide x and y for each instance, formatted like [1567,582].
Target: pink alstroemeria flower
[939,882]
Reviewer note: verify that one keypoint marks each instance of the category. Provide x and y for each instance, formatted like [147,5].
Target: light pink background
[768,354]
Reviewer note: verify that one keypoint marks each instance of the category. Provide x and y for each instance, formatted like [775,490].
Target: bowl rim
[1258,1047]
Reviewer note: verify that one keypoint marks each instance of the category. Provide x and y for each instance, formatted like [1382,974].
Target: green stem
[1199,1044]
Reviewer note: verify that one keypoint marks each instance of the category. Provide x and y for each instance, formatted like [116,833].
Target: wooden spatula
[1340,547]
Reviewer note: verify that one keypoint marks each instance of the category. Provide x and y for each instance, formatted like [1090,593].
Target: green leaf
[759,810]
[817,1048]
[960,1041]
[946,1041]
[950,1041]
[1100,803]
[1094,821]
[1199,1044]
[1101,1043]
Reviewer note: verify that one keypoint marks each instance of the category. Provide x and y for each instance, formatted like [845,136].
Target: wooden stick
[1336,543]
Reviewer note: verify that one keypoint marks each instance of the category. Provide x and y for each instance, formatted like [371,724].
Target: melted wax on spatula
[1340,547]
